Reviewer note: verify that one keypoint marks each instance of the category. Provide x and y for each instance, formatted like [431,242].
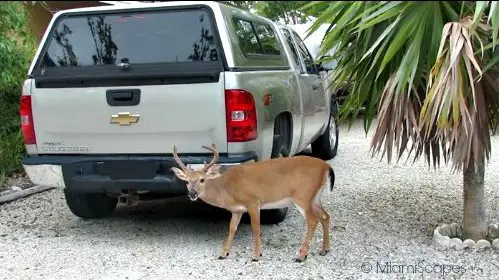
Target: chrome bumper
[51,175]
[45,175]
[224,166]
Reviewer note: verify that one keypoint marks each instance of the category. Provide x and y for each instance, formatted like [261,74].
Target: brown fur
[252,185]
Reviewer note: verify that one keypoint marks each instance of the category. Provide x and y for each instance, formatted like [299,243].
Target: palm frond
[396,127]
[457,109]
[426,73]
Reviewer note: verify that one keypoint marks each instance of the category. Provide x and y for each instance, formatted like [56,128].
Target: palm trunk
[474,226]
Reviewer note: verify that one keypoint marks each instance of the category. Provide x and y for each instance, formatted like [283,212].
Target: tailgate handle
[123,97]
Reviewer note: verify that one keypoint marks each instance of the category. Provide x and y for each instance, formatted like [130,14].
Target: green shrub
[17,47]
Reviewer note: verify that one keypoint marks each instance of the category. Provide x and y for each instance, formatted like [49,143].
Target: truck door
[313,91]
[306,98]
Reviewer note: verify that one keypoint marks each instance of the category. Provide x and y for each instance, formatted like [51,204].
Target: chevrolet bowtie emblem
[124,118]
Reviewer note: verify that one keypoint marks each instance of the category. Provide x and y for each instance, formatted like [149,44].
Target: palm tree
[427,69]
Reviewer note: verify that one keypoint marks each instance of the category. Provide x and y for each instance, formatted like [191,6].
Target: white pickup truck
[112,89]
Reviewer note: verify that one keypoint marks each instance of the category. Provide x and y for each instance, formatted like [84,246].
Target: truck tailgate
[81,120]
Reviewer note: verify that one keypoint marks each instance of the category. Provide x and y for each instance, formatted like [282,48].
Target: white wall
[313,42]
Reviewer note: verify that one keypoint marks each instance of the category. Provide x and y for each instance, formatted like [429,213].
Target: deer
[269,184]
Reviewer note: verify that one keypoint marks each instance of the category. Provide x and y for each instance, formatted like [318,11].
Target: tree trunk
[474,225]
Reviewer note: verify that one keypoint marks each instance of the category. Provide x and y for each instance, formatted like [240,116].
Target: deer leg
[324,218]
[234,223]
[254,213]
[312,222]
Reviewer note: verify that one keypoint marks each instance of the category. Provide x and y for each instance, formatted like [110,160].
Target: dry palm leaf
[455,112]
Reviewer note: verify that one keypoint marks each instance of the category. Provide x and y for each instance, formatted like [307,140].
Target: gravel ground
[382,215]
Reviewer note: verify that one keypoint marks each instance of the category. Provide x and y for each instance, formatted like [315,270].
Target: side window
[246,37]
[256,38]
[267,38]
[307,57]
[291,44]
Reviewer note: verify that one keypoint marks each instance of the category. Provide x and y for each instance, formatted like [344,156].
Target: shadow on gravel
[165,219]
[162,221]
[171,208]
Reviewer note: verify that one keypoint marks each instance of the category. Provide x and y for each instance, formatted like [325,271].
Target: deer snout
[193,194]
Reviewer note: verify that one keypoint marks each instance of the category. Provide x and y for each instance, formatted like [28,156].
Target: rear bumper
[113,174]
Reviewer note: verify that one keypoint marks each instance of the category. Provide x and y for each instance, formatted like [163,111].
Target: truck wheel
[90,205]
[275,216]
[326,146]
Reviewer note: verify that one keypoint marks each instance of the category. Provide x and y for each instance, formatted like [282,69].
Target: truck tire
[326,146]
[90,205]
[279,149]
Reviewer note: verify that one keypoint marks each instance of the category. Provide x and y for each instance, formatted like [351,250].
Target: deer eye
[202,180]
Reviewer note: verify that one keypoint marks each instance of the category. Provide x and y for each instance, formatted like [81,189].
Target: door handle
[123,97]
[315,87]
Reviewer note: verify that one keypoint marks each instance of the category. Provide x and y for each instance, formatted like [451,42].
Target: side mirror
[323,68]
[326,66]
[320,67]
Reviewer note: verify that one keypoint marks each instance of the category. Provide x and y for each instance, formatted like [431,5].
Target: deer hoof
[255,259]
[324,252]
[301,259]
[222,257]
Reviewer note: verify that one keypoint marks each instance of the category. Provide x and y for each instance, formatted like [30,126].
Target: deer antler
[213,148]
[177,159]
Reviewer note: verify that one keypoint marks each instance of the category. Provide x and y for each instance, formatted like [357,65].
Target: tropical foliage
[428,71]
[284,11]
[239,4]
[16,49]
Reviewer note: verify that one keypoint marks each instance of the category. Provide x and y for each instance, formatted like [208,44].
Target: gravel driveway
[381,215]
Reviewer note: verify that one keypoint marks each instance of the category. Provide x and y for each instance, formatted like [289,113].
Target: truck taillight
[241,115]
[27,126]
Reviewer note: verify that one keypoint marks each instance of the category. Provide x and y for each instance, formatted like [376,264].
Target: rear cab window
[138,43]
[256,44]
[256,38]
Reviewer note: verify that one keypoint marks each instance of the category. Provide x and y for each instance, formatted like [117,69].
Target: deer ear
[213,171]
[179,173]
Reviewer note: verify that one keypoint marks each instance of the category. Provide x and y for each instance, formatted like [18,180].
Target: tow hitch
[129,197]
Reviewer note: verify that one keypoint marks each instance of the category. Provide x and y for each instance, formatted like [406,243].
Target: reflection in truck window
[256,38]
[145,37]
